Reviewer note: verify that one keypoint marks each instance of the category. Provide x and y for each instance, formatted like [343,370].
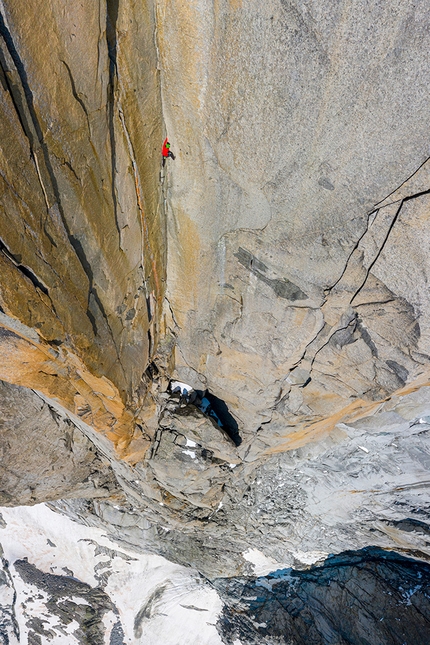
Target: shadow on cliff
[366,597]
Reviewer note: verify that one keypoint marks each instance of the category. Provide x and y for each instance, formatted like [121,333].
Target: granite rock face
[332,604]
[280,261]
[44,456]
[295,122]
[365,484]
[82,231]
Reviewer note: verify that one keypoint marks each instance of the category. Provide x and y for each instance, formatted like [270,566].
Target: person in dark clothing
[166,152]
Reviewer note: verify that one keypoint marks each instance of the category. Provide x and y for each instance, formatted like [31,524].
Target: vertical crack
[76,95]
[355,247]
[112,45]
[24,105]
[371,265]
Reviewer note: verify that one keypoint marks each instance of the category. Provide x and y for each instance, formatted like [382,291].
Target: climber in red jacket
[166,152]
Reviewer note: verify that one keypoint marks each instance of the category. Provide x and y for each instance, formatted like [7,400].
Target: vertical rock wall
[293,291]
[82,237]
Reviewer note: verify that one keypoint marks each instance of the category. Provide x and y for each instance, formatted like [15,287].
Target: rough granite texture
[44,456]
[281,261]
[291,122]
[82,234]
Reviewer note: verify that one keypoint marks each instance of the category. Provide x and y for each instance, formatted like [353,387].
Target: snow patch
[136,581]
[184,387]
[190,453]
[363,448]
[310,557]
[261,563]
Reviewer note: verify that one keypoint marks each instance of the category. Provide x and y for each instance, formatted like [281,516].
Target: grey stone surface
[366,483]
[298,119]
[334,604]
[296,270]
[44,456]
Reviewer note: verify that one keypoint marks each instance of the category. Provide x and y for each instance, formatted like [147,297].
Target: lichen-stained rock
[82,234]
[291,123]
[44,456]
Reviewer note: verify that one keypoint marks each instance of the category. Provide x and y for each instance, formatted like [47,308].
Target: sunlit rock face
[82,233]
[280,261]
[296,269]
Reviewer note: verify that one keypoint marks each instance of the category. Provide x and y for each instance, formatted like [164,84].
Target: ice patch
[191,444]
[407,595]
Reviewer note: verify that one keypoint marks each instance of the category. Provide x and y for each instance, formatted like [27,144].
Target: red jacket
[165,149]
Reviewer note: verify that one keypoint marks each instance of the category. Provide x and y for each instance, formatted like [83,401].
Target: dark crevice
[402,184]
[102,310]
[394,220]
[112,45]
[34,128]
[336,331]
[92,320]
[13,90]
[375,259]
[77,246]
[374,303]
[16,260]
[212,407]
[355,247]
[416,195]
[152,371]
[72,170]
[150,344]
[75,93]
[224,418]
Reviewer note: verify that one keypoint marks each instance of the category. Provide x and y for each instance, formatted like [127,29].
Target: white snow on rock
[157,601]
[184,387]
[310,557]
[190,453]
[262,565]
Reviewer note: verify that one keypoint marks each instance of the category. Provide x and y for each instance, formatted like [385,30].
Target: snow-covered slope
[67,584]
